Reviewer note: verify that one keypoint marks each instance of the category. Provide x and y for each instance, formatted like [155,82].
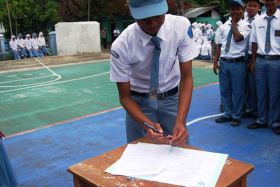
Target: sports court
[58,115]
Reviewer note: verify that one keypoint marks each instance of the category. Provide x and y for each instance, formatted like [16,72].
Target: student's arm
[216,59]
[254,56]
[134,110]
[237,36]
[253,40]
[180,133]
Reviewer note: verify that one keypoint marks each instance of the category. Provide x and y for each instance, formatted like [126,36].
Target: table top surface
[92,171]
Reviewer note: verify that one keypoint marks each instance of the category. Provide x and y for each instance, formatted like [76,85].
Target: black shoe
[276,130]
[248,115]
[235,122]
[257,126]
[222,119]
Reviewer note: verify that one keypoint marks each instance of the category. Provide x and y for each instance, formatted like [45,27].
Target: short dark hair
[257,1]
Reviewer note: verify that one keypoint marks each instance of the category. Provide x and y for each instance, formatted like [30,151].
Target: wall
[77,37]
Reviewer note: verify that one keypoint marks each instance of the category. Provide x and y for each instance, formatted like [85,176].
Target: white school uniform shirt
[247,20]
[13,45]
[132,54]
[28,44]
[206,49]
[21,43]
[197,33]
[41,41]
[237,49]
[209,33]
[258,34]
[34,43]
[218,39]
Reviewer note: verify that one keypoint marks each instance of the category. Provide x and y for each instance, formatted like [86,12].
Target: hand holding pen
[156,134]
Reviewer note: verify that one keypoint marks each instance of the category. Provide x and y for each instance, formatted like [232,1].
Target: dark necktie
[267,38]
[248,39]
[155,67]
[229,36]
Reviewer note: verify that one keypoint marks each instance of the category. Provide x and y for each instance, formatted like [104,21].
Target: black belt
[269,57]
[234,60]
[163,95]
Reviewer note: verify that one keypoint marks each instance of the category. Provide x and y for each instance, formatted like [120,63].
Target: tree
[29,16]
[80,10]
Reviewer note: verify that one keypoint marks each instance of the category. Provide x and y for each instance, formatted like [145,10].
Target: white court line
[103,112]
[24,85]
[26,79]
[202,118]
[53,83]
[46,67]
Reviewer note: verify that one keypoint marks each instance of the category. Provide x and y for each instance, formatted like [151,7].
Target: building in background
[203,15]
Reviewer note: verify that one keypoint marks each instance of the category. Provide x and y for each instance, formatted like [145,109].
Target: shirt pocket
[168,64]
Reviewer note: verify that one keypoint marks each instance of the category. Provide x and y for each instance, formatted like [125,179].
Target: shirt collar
[248,18]
[276,14]
[145,38]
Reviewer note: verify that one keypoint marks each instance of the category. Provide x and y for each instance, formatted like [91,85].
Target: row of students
[23,47]
[250,44]
[203,35]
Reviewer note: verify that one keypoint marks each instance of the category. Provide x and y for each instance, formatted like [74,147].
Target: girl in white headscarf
[42,44]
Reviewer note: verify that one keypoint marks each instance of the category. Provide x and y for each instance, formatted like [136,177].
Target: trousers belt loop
[163,95]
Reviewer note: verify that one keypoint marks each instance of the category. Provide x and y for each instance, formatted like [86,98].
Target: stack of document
[172,165]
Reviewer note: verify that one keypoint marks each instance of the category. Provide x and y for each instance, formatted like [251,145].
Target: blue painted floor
[41,158]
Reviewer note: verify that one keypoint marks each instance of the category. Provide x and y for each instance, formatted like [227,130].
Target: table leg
[242,182]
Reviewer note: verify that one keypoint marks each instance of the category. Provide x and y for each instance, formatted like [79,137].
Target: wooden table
[91,172]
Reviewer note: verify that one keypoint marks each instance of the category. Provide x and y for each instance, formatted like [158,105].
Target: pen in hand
[153,128]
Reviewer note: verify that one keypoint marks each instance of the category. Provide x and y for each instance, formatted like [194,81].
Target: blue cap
[141,9]
[236,3]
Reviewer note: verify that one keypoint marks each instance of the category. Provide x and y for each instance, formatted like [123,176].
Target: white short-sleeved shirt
[258,34]
[13,45]
[237,49]
[247,20]
[34,43]
[28,44]
[21,43]
[41,42]
[218,39]
[132,52]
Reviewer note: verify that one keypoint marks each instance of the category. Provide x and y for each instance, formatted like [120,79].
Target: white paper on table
[141,159]
[192,168]
[180,166]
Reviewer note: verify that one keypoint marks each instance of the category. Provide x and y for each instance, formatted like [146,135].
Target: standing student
[151,63]
[7,178]
[232,68]
[252,9]
[104,37]
[265,38]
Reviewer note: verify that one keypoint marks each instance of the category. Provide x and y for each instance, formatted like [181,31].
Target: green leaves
[29,15]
